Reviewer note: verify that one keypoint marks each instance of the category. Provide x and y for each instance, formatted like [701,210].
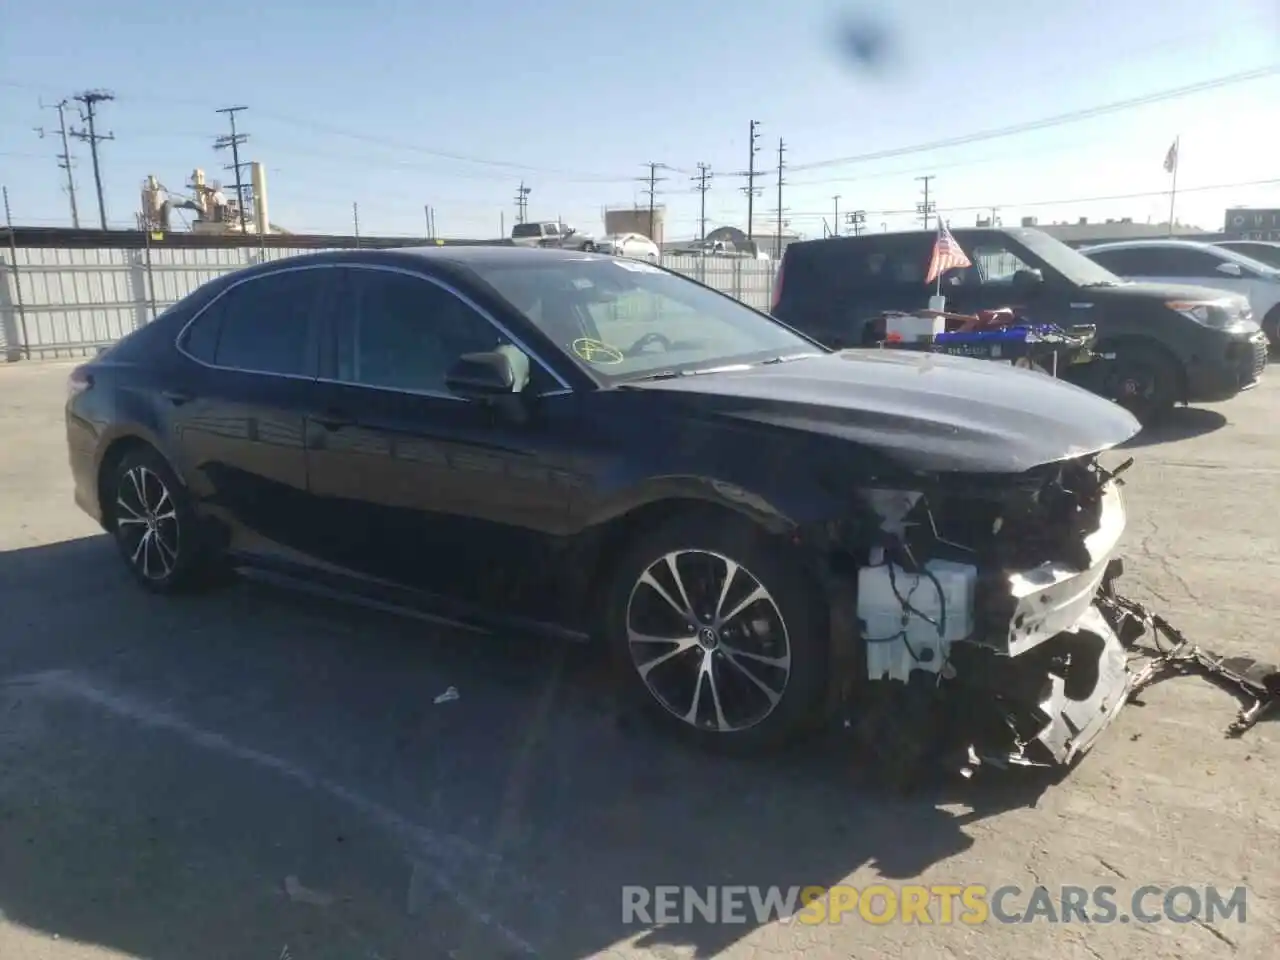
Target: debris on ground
[448,695]
[1172,653]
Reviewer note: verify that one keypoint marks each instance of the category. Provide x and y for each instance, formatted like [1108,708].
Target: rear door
[238,417]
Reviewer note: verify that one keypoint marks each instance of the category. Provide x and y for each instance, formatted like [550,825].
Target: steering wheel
[647,339]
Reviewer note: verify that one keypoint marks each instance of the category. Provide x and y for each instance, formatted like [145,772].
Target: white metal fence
[69,302]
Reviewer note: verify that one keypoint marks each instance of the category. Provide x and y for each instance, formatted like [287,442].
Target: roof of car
[457,255]
[1143,244]
[874,236]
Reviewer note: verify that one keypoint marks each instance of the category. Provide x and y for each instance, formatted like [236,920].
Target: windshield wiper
[789,356]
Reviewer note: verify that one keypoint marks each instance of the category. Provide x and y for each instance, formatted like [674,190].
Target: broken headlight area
[977,603]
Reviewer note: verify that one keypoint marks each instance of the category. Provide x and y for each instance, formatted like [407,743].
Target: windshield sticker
[596,351]
[636,266]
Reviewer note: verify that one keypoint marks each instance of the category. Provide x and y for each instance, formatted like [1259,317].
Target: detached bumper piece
[1173,654]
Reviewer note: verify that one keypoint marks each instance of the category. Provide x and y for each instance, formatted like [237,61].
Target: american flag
[947,254]
[1171,158]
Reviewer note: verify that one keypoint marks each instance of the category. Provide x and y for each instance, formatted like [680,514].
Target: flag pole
[937,281]
[1173,188]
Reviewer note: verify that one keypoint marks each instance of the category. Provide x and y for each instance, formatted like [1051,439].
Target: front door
[989,284]
[418,486]
[238,405]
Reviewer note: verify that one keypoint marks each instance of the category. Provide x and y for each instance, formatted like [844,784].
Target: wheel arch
[1151,345]
[113,452]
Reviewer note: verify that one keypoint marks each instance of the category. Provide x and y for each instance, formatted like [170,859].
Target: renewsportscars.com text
[969,904]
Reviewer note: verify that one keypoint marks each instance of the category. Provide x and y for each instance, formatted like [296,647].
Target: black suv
[1164,343]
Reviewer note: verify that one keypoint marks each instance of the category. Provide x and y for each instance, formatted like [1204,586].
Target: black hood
[1153,291]
[926,412]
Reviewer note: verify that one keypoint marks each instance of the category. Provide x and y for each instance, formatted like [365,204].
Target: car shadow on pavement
[1182,423]
[232,774]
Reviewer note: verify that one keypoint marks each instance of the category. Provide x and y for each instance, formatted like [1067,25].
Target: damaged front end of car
[984,627]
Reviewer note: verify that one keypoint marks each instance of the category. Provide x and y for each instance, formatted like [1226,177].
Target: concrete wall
[69,302]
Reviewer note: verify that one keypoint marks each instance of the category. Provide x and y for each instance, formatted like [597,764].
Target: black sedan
[766,533]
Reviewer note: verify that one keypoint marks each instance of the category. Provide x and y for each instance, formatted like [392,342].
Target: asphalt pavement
[258,774]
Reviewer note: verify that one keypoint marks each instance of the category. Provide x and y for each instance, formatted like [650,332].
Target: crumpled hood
[924,411]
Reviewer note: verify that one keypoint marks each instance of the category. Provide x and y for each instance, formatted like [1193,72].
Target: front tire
[716,636]
[1271,327]
[1145,381]
[154,525]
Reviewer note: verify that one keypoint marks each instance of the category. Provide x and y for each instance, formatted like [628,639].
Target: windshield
[623,319]
[1071,264]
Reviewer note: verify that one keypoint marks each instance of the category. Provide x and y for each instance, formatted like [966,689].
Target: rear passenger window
[201,339]
[264,322]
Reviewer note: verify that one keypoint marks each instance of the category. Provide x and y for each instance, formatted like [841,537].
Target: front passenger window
[404,333]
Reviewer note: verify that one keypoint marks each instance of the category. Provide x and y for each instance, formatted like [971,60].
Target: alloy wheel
[147,523]
[708,640]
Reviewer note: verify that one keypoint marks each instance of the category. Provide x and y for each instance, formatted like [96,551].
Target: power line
[704,184]
[64,158]
[89,101]
[1061,201]
[1074,116]
[652,190]
[235,140]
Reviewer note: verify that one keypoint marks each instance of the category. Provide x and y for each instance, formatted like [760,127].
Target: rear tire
[1144,380]
[738,668]
[155,527]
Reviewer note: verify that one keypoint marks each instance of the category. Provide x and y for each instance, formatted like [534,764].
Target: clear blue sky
[357,102]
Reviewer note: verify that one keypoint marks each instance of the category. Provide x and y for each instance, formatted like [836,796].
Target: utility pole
[64,158]
[89,101]
[652,192]
[750,188]
[926,209]
[522,202]
[703,180]
[858,220]
[234,141]
[782,164]
[835,217]
[995,220]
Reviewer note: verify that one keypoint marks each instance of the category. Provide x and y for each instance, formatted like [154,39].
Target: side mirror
[493,373]
[1230,269]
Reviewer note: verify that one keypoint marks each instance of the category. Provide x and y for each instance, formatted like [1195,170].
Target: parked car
[634,245]
[1200,265]
[480,433]
[1165,343]
[551,233]
[1261,250]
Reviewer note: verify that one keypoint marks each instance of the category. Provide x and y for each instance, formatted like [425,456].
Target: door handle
[176,397]
[333,420]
